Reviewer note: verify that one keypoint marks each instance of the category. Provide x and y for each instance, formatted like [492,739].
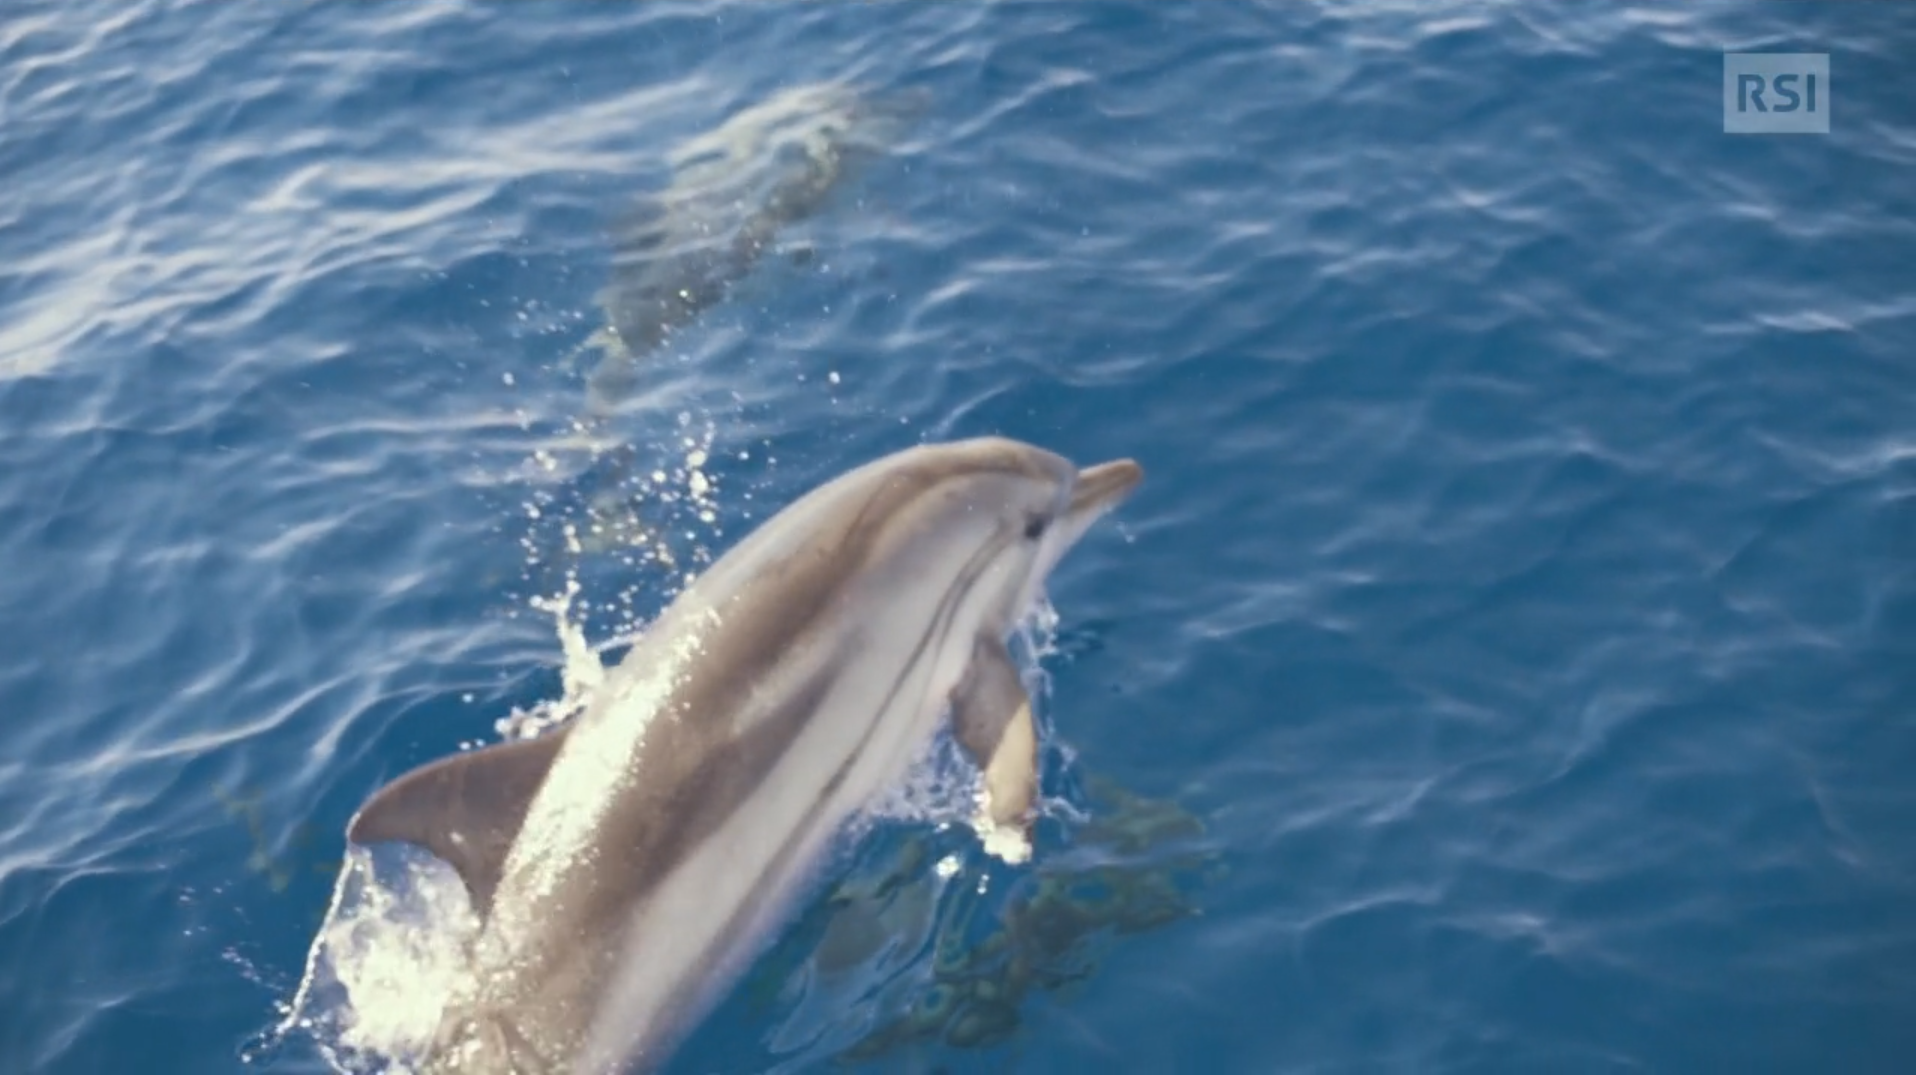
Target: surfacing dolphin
[733,188]
[627,867]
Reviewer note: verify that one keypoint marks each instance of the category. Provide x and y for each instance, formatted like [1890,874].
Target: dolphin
[627,867]
[733,188]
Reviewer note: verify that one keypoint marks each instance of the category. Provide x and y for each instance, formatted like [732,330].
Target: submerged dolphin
[733,188]
[627,867]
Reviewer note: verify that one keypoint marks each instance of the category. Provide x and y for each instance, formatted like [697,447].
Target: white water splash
[384,963]
[581,674]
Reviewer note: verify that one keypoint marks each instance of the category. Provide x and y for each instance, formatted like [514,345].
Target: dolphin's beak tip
[1102,486]
[1125,473]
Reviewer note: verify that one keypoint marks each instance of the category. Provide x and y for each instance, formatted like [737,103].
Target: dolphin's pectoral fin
[991,714]
[465,809]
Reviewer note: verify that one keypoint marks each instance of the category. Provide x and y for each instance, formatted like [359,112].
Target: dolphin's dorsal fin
[991,715]
[466,809]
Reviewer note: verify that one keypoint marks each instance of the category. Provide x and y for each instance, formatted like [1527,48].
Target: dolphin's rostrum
[627,867]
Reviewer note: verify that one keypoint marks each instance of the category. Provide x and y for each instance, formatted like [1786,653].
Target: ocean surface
[1507,665]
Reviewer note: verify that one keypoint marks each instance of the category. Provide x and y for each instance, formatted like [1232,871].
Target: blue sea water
[1518,620]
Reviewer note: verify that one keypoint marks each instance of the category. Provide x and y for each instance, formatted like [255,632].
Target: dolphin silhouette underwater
[676,254]
[627,867]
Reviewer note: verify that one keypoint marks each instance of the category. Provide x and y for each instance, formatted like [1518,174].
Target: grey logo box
[1776,93]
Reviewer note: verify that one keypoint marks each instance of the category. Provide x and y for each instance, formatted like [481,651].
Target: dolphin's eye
[1034,527]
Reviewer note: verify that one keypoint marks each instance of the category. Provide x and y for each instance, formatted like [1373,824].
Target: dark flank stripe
[697,773]
[938,628]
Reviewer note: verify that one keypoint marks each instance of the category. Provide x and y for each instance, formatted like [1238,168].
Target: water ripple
[1520,595]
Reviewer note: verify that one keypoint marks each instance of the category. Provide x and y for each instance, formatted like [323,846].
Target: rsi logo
[1776,92]
[1749,92]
